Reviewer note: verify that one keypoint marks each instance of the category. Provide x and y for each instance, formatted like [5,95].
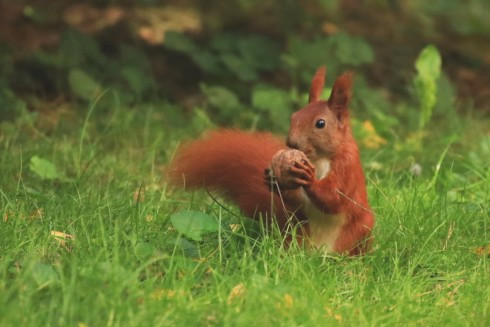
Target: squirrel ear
[341,92]
[317,84]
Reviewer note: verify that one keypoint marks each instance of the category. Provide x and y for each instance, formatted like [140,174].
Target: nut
[281,163]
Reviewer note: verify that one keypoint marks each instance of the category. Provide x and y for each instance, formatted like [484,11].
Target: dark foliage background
[228,54]
[247,64]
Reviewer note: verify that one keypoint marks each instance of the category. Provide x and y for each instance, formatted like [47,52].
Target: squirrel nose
[292,144]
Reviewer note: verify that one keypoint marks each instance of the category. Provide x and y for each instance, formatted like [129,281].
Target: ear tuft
[341,91]
[317,84]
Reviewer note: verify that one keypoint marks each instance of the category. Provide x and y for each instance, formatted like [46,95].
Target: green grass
[127,265]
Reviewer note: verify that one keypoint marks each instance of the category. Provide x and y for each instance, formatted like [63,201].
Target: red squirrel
[329,199]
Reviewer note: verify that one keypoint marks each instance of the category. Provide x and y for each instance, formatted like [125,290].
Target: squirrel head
[321,127]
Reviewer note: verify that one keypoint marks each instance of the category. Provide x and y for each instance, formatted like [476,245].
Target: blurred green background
[242,63]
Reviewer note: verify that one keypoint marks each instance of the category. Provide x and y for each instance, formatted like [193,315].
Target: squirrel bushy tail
[232,163]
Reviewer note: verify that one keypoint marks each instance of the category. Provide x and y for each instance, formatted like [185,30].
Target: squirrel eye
[320,123]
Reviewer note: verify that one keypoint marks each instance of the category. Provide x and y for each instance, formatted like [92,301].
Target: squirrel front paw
[303,172]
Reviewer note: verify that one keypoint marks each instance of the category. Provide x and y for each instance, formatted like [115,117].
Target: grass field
[86,237]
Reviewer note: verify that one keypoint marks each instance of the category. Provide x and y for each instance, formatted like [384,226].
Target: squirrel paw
[304,172]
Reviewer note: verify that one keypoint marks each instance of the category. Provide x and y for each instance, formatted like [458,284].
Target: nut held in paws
[282,161]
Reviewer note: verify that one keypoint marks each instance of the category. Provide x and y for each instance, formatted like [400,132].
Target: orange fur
[232,163]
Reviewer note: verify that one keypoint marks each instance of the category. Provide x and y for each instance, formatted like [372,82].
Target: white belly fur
[324,228]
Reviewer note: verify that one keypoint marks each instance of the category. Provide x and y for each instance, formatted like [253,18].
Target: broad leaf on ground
[43,168]
[194,224]
[83,85]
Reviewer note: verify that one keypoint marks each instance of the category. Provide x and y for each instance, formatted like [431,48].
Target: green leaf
[259,52]
[223,99]
[180,42]
[374,103]
[189,249]
[194,224]
[305,57]
[200,120]
[144,250]
[43,168]
[83,85]
[266,98]
[446,96]
[428,66]
[10,105]
[240,67]
[352,50]
[428,63]
[137,80]
[77,50]
[207,61]
[134,56]
[276,103]
[224,43]
[310,54]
